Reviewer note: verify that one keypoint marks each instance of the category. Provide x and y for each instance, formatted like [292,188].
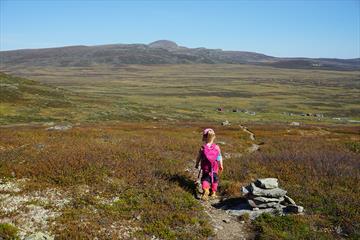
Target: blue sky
[287,28]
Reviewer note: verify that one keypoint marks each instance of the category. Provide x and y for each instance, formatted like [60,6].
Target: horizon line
[138,43]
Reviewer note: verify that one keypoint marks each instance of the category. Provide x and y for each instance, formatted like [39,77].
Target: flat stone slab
[267,183]
[252,214]
[289,200]
[266,199]
[272,193]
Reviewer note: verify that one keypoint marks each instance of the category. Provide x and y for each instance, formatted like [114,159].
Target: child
[211,163]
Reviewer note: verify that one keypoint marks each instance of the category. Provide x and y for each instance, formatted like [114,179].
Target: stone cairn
[264,195]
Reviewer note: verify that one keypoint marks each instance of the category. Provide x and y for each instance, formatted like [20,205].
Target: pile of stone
[264,195]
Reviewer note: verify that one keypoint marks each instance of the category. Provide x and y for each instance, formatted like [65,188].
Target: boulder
[272,193]
[267,183]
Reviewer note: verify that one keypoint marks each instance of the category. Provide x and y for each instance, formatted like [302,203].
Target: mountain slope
[158,52]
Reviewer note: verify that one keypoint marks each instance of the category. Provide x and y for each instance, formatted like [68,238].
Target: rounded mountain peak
[166,44]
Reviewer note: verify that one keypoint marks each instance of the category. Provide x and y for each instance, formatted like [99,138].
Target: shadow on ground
[239,203]
[185,182]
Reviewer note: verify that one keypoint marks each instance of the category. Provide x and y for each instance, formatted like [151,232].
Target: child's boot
[213,195]
[205,195]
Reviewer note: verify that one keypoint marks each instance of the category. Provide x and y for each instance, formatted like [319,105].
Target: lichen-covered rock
[267,183]
[272,193]
[39,236]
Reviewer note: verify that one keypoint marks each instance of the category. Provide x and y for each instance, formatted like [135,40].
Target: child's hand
[221,168]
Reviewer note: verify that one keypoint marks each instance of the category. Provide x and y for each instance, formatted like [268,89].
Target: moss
[353,146]
[8,231]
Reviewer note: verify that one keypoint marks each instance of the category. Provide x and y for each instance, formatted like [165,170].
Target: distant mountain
[159,52]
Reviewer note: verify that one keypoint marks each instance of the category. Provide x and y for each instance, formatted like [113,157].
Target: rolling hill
[158,52]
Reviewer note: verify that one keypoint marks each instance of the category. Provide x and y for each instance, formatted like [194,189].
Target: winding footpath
[226,227]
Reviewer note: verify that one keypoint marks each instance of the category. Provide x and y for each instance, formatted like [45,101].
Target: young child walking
[211,164]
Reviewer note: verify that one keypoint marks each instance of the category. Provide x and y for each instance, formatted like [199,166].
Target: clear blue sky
[287,28]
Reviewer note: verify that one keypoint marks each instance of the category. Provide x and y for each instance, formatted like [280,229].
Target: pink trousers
[206,185]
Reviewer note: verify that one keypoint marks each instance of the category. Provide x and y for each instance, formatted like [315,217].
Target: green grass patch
[286,227]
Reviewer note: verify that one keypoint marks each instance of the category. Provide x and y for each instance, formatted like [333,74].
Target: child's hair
[208,135]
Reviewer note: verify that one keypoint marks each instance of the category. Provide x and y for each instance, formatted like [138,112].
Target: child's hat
[206,130]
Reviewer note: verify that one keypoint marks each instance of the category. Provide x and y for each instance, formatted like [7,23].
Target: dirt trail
[226,227]
[254,147]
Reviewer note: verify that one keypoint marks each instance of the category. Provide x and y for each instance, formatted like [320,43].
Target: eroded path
[226,226]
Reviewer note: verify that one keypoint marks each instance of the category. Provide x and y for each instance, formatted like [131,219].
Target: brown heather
[142,167]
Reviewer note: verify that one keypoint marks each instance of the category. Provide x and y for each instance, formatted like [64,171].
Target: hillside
[24,100]
[158,52]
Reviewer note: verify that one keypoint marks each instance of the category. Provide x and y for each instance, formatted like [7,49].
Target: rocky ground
[30,210]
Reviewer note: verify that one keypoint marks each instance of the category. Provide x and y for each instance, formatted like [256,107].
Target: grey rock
[39,236]
[267,183]
[219,227]
[221,142]
[226,220]
[244,191]
[225,123]
[293,209]
[267,205]
[40,146]
[59,128]
[338,230]
[252,203]
[273,193]
[252,214]
[260,200]
[227,155]
[289,200]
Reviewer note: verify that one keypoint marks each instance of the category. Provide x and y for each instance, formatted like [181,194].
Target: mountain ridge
[160,52]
